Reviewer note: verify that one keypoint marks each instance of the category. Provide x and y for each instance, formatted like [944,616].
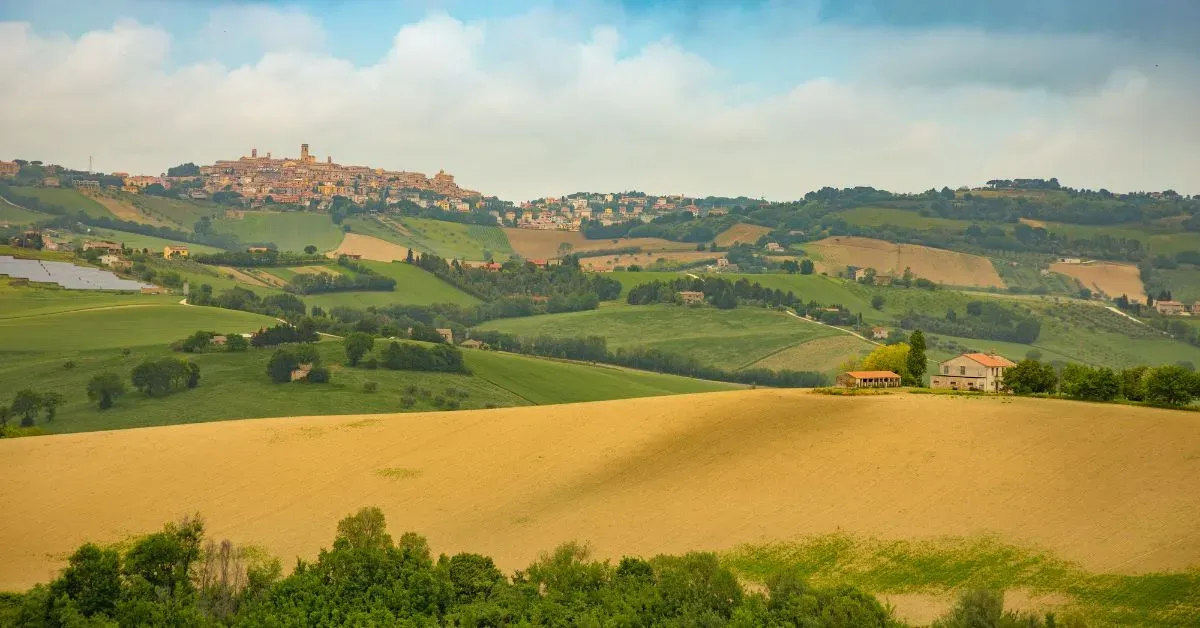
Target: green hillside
[183,213]
[38,301]
[876,216]
[414,286]
[289,231]
[13,215]
[235,385]
[820,288]
[730,339]
[445,239]
[68,198]
[155,244]
[118,326]
[542,381]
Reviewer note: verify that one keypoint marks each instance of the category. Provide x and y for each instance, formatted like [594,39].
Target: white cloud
[517,108]
[240,28]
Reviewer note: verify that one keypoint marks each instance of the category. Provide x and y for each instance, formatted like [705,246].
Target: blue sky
[536,97]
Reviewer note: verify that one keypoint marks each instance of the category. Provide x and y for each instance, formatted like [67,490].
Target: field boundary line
[841,329]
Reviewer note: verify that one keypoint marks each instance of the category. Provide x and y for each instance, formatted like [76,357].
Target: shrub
[318,375]
[236,343]
[371,363]
[408,401]
[370,387]
[69,364]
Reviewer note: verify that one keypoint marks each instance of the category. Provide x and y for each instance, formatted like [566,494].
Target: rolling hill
[288,231]
[729,339]
[1057,500]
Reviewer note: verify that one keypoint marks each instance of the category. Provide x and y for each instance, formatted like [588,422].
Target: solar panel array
[67,275]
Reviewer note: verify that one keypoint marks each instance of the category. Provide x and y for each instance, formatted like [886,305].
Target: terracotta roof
[989,360]
[872,374]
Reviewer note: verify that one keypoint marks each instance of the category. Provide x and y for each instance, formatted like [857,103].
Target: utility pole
[89,164]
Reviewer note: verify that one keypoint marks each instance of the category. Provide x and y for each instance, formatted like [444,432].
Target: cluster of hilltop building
[304,179]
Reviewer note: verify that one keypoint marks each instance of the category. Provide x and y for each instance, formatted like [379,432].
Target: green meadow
[288,231]
[445,239]
[730,339]
[68,198]
[13,215]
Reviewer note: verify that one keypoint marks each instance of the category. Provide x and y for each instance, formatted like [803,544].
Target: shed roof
[872,374]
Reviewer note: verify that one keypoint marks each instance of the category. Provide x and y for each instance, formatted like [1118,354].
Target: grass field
[68,198]
[822,289]
[155,244]
[235,385]
[822,355]
[183,214]
[730,339]
[877,216]
[1090,505]
[1183,282]
[34,301]
[289,231]
[13,215]
[120,326]
[446,239]
[1167,243]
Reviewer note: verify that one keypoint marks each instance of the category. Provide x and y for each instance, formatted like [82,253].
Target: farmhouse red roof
[990,360]
[873,374]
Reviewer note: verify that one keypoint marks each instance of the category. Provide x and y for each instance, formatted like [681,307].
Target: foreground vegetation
[177,577]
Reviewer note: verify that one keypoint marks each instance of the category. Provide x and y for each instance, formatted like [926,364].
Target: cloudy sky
[525,98]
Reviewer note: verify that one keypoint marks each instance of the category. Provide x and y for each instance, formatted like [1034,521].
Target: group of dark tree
[270,257]
[178,577]
[559,287]
[988,320]
[203,340]
[678,226]
[407,356]
[284,333]
[354,277]
[157,378]
[1168,385]
[289,359]
[25,406]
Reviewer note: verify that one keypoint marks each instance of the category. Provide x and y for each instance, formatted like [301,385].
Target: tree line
[521,279]
[678,226]
[270,257]
[595,349]
[1168,385]
[985,320]
[360,277]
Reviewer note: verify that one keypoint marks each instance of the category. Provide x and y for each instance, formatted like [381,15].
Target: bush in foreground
[173,577]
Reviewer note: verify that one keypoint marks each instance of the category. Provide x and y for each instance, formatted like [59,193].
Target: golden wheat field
[369,247]
[937,265]
[1113,280]
[741,232]
[1112,487]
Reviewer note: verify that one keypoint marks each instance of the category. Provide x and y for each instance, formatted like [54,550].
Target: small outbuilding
[868,379]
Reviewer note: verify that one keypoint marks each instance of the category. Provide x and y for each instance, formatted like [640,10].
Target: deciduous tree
[104,388]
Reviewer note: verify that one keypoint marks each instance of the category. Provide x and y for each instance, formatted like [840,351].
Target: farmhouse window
[962,370]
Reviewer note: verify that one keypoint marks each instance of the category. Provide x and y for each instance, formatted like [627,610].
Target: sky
[524,99]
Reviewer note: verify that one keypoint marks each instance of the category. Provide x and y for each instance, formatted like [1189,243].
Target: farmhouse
[258,249]
[447,334]
[879,333]
[691,297]
[868,379]
[1170,308]
[171,251]
[472,344]
[102,245]
[972,371]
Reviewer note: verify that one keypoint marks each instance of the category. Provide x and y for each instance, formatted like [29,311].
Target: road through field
[1111,487]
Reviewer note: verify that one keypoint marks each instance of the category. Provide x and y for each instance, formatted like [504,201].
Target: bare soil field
[741,232]
[266,277]
[238,274]
[937,265]
[1111,487]
[610,262]
[821,355]
[1032,223]
[126,211]
[369,247]
[543,244]
[1113,280]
